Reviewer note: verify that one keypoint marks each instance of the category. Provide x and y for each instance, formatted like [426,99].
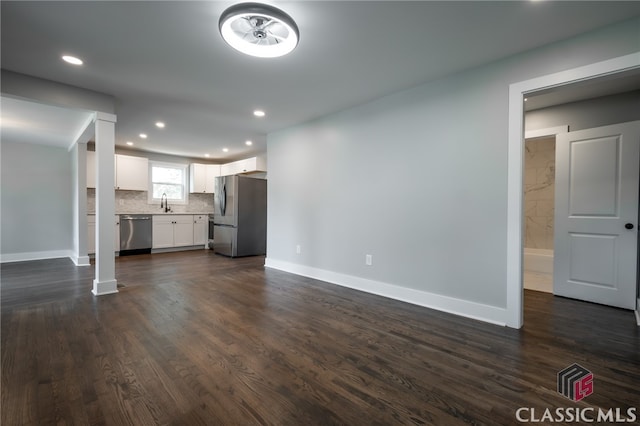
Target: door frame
[515,197]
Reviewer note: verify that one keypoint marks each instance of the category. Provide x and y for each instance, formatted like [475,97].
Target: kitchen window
[169,179]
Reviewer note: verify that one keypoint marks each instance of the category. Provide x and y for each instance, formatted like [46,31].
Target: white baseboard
[465,308]
[81,260]
[36,255]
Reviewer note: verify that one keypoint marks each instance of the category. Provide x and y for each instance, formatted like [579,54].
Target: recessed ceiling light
[129,143]
[160,124]
[259,113]
[248,143]
[525,99]
[225,149]
[72,60]
[259,30]
[207,155]
[143,135]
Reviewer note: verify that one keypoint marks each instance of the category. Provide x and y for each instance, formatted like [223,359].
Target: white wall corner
[465,308]
[86,133]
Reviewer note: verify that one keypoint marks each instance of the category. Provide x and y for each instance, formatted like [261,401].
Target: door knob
[628,225]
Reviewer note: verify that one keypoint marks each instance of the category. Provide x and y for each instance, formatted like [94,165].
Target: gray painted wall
[418,179]
[587,114]
[36,198]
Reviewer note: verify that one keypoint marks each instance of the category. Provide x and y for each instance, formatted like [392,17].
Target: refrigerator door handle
[223,201]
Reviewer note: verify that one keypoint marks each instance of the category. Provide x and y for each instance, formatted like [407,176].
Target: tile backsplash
[136,202]
[539,192]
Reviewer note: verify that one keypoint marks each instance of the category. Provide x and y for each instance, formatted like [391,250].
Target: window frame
[185,182]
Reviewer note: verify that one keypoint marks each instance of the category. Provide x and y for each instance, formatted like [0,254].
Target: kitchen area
[209,206]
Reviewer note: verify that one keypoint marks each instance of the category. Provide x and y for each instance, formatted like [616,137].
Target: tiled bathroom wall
[539,183]
[136,202]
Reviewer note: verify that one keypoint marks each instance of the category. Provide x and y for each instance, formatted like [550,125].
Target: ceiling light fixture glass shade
[259,30]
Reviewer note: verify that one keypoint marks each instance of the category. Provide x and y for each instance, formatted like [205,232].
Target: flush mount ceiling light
[259,30]
[72,60]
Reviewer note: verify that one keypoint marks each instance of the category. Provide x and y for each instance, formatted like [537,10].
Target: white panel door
[596,214]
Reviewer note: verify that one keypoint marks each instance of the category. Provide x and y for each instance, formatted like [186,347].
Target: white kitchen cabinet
[132,173]
[172,231]
[162,231]
[202,177]
[200,229]
[230,169]
[91,233]
[248,165]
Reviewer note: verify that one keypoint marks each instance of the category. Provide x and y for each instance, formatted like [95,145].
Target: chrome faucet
[164,202]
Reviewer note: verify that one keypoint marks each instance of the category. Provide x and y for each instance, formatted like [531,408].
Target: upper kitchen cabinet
[248,165]
[202,177]
[132,173]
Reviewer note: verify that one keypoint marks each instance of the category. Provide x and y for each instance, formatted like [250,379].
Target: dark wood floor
[194,338]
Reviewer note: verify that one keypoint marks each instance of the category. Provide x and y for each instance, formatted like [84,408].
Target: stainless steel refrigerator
[240,216]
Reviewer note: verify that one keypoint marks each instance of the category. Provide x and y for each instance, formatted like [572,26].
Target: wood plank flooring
[198,339]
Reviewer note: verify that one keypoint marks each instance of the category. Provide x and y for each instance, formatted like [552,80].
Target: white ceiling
[165,60]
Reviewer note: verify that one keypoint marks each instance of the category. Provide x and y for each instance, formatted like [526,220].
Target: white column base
[105,287]
[81,260]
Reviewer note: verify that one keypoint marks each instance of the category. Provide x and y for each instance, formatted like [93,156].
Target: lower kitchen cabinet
[200,229]
[91,234]
[172,231]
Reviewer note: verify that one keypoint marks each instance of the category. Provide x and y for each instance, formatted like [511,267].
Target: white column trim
[517,92]
[105,282]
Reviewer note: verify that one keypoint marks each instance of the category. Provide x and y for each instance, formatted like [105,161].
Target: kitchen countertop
[162,213]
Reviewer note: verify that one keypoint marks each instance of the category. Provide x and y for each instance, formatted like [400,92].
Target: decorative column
[105,282]
[79,157]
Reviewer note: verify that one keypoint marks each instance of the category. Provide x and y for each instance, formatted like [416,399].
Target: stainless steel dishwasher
[135,234]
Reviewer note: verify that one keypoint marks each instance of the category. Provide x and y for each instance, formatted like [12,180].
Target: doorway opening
[515,203]
[539,192]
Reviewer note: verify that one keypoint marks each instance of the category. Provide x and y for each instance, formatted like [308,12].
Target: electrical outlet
[298,249]
[368,260]
[121,201]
